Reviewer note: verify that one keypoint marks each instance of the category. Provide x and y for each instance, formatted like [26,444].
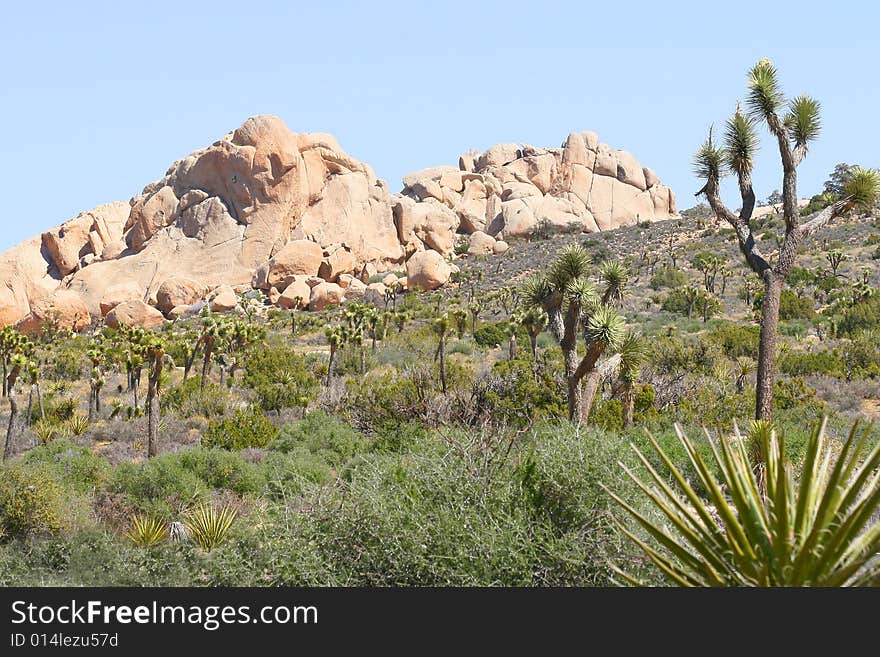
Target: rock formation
[295,216]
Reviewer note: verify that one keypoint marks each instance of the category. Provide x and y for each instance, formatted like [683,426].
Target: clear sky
[98,98]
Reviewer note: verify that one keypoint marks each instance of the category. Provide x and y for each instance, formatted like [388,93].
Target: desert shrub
[797,363]
[323,435]
[188,399]
[518,392]
[31,501]
[801,275]
[289,474]
[668,277]
[736,339]
[607,415]
[70,464]
[791,306]
[279,378]
[794,392]
[491,334]
[685,353]
[220,469]
[246,428]
[863,316]
[376,401]
[399,437]
[861,356]
[160,486]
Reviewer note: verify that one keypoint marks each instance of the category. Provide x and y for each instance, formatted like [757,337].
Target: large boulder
[63,310]
[118,293]
[296,295]
[134,314]
[326,294]
[480,243]
[427,270]
[223,299]
[178,292]
[89,233]
[299,257]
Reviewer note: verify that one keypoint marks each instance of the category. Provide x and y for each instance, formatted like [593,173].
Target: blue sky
[99,98]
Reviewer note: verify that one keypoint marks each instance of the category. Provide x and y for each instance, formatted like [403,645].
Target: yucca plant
[208,525]
[45,430]
[147,531]
[817,529]
[78,425]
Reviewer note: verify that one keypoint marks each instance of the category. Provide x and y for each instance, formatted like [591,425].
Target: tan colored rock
[63,310]
[606,161]
[375,294]
[274,295]
[134,314]
[324,295]
[651,178]
[223,299]
[299,257]
[498,155]
[178,292]
[340,260]
[178,311]
[452,180]
[345,281]
[355,290]
[539,170]
[601,201]
[367,272]
[296,296]
[427,270]
[629,171]
[500,247]
[427,224]
[480,243]
[119,293]
[149,215]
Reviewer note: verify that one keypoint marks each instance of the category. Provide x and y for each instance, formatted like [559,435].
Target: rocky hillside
[295,216]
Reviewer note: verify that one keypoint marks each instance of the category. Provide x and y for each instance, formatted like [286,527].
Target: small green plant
[208,526]
[78,425]
[147,531]
[246,428]
[758,525]
[45,431]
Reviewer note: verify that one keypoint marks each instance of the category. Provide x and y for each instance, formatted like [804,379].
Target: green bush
[75,466]
[31,501]
[160,486]
[491,335]
[323,435]
[280,379]
[791,306]
[668,277]
[246,428]
[607,415]
[863,316]
[220,469]
[795,393]
[291,474]
[189,399]
[517,392]
[796,363]
[736,339]
[399,437]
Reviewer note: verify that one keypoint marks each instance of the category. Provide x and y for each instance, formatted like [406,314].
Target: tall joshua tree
[633,354]
[534,321]
[20,349]
[441,327]
[794,124]
[574,307]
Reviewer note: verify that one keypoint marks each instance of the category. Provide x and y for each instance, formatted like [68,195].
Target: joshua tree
[441,328]
[154,353]
[97,358]
[615,275]
[510,328]
[835,258]
[573,307]
[726,272]
[212,331]
[633,353]
[460,317]
[475,309]
[294,309]
[691,297]
[20,349]
[8,341]
[794,124]
[744,367]
[534,320]
[335,338]
[401,319]
[709,304]
[33,378]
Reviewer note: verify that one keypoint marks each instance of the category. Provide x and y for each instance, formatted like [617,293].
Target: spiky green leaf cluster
[862,189]
[709,160]
[605,326]
[765,96]
[740,143]
[755,523]
[209,526]
[803,120]
[572,262]
[147,531]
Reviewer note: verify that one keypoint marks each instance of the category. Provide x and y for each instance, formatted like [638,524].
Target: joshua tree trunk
[364,358]
[40,401]
[206,364]
[30,408]
[330,367]
[5,375]
[10,429]
[628,400]
[135,385]
[592,380]
[511,347]
[153,410]
[92,396]
[187,365]
[98,399]
[533,342]
[767,347]
[442,349]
